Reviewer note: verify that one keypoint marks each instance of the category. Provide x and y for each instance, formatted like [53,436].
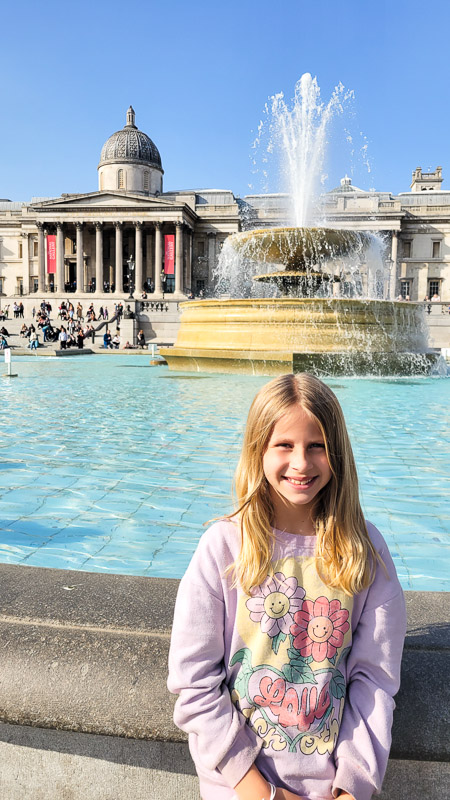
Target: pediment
[102,200]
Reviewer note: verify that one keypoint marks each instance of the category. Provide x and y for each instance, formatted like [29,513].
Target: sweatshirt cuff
[352,779]
[240,756]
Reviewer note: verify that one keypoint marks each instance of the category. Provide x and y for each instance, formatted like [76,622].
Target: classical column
[80,259]
[394,251]
[41,257]
[26,263]
[188,284]
[98,257]
[149,271]
[138,257]
[59,257]
[211,258]
[118,283]
[178,258]
[158,257]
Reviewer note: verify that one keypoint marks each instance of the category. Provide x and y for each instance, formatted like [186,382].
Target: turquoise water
[109,465]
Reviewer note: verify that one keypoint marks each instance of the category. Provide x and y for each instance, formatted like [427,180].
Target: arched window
[120,179]
[146,180]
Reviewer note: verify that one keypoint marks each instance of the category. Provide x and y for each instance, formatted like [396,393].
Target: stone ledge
[87,652]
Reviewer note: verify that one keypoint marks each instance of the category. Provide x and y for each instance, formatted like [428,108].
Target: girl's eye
[317,444]
[283,444]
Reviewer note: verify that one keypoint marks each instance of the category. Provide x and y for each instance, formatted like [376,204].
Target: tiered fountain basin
[296,247]
[336,336]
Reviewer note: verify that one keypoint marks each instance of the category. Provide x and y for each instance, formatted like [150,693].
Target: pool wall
[84,709]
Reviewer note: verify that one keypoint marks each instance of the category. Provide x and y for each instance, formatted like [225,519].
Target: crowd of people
[75,327]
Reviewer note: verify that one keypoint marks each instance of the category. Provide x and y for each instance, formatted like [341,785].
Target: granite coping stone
[87,652]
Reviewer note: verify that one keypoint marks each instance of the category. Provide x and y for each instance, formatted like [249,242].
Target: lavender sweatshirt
[299,678]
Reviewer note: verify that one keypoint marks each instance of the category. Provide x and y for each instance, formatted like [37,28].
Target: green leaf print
[244,657]
[298,673]
[276,641]
[337,685]
[295,657]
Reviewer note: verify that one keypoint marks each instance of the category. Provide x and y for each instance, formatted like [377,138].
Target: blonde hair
[345,556]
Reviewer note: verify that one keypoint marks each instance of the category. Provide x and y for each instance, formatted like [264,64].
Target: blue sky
[198,75]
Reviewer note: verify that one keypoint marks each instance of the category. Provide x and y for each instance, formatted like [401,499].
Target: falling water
[294,136]
[297,138]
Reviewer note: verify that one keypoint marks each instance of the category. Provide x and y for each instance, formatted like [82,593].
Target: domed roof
[130,145]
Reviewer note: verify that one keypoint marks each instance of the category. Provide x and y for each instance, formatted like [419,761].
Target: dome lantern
[130,161]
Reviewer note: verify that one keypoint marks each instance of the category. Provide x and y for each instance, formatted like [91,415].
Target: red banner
[51,254]
[169,254]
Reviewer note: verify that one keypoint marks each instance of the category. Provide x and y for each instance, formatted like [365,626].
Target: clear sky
[198,75]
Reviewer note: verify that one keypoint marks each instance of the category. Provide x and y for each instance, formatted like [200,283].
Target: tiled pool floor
[108,465]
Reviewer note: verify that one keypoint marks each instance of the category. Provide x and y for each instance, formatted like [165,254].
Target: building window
[407,249]
[1,285]
[405,289]
[35,284]
[146,180]
[120,179]
[35,249]
[20,249]
[200,286]
[201,247]
[436,249]
[433,288]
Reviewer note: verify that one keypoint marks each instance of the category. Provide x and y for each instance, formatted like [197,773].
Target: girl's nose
[300,459]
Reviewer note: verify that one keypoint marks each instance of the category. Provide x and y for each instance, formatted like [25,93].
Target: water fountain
[303,321]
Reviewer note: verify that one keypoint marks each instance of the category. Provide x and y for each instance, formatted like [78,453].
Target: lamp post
[131,266]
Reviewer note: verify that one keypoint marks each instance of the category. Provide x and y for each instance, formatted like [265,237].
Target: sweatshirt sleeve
[373,678]
[197,672]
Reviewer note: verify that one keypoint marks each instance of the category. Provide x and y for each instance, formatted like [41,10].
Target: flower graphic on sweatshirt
[274,602]
[319,628]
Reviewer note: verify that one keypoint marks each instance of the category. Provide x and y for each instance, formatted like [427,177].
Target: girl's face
[296,467]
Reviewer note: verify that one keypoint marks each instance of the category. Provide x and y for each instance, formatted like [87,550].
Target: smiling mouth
[296,482]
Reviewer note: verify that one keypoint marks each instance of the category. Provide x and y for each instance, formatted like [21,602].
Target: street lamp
[130,263]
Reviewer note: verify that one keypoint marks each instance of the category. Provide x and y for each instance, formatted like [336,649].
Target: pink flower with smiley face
[319,628]
[274,602]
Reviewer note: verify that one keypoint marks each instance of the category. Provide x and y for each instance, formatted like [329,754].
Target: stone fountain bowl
[298,248]
[326,335]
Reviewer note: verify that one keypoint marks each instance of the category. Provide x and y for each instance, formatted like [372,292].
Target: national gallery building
[131,235]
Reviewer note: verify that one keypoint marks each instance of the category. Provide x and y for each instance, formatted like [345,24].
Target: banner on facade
[51,254]
[169,254]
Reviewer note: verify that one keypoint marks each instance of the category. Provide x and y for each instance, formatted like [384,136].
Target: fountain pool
[111,466]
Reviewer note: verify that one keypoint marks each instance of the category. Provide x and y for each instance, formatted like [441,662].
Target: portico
[105,249]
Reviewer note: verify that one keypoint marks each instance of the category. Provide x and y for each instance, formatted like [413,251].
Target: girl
[290,620]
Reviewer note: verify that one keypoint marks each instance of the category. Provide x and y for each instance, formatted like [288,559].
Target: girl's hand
[254,786]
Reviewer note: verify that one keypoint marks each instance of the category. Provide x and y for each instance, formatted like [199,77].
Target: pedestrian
[141,340]
[290,619]
[34,340]
[62,338]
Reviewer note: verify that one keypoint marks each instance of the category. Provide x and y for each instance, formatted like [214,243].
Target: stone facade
[113,240]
